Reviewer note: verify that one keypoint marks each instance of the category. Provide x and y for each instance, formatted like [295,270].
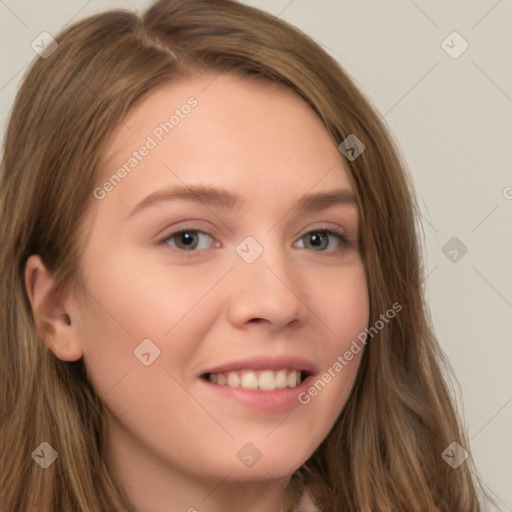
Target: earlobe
[52,320]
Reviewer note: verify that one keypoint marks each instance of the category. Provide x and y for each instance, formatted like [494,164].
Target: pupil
[315,239]
[318,240]
[186,238]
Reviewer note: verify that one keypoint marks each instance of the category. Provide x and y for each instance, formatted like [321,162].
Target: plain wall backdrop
[451,112]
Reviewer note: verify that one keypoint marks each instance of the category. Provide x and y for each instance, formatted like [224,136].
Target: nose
[267,292]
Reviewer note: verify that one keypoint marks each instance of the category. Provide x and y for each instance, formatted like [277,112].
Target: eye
[322,240]
[188,240]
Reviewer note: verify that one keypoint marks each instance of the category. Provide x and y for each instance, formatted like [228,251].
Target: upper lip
[265,362]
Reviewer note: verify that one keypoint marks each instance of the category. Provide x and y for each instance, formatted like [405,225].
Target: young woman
[211,291]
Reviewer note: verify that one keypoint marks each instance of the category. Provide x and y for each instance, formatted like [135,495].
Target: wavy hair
[384,451]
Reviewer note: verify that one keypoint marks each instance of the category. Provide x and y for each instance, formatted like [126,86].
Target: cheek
[342,303]
[344,310]
[131,310]
[147,299]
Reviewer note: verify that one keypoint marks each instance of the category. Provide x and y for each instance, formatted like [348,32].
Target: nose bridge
[266,287]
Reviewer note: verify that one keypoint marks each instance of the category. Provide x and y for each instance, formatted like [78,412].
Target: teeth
[249,380]
[292,379]
[233,380]
[266,380]
[281,379]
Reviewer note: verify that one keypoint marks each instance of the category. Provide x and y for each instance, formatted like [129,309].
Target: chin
[273,464]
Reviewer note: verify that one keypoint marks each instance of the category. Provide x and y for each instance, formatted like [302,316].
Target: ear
[51,317]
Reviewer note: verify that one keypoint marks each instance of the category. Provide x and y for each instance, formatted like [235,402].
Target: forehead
[243,134]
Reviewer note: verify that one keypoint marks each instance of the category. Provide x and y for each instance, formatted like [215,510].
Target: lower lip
[272,402]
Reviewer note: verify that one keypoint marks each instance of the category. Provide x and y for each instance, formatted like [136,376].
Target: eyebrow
[214,196]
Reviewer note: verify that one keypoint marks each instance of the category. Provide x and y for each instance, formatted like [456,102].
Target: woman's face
[184,336]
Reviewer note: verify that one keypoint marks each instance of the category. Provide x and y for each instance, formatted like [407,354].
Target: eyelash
[343,241]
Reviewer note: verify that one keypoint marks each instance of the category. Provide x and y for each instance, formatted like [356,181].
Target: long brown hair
[384,452]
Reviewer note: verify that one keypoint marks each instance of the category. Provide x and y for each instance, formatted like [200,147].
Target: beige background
[452,119]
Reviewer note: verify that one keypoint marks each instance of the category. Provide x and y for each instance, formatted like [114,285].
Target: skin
[173,442]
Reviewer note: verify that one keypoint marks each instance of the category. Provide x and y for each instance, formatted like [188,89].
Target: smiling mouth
[264,380]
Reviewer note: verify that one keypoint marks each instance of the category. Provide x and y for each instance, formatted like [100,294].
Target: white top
[306,503]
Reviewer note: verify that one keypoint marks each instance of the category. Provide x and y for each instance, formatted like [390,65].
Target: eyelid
[164,241]
[328,227]
[186,225]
